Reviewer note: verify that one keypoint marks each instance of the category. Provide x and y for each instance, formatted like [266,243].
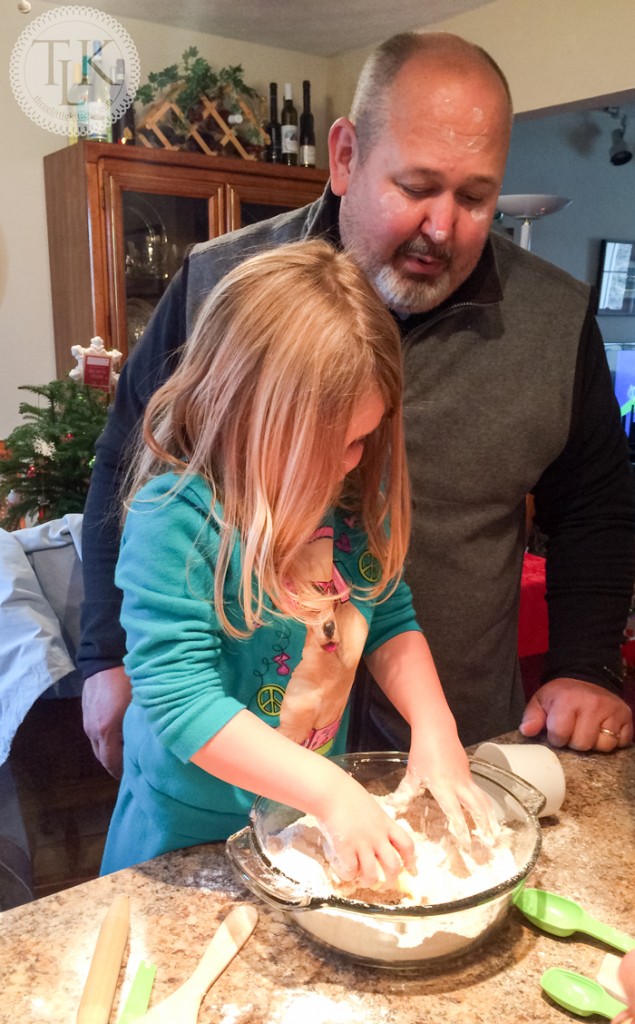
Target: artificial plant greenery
[47,469]
[196,78]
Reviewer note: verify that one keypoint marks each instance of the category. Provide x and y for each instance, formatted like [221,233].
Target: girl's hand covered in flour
[444,770]
[362,843]
[404,669]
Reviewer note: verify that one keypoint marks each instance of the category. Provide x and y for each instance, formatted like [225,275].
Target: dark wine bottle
[123,128]
[307,129]
[273,153]
[289,131]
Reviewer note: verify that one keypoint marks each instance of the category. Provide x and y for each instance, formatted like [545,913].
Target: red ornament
[30,472]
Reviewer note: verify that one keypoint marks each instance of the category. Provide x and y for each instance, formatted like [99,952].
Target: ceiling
[320,27]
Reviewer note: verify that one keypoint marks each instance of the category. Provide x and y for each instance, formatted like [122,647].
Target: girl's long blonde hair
[283,350]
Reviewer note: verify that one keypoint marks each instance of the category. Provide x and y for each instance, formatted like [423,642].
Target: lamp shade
[529,206]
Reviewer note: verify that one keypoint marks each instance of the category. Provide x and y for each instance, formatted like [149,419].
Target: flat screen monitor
[621,360]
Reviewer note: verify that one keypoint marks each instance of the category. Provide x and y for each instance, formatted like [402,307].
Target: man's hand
[105,697]
[580,715]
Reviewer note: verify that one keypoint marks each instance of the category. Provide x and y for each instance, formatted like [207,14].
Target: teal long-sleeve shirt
[189,678]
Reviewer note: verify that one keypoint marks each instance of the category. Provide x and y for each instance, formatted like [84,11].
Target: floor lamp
[527,208]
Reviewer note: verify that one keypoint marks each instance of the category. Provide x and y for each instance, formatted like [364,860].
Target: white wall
[26,326]
[553,53]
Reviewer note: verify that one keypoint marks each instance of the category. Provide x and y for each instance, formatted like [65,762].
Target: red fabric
[628,653]
[533,624]
[533,630]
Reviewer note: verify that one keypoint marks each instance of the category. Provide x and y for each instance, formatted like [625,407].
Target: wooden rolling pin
[103,974]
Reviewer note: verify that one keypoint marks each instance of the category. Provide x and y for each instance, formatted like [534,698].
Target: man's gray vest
[489,385]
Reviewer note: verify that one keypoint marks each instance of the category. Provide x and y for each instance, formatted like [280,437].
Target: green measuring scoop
[561,916]
[578,994]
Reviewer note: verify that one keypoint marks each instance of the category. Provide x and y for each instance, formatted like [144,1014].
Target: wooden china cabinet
[121,219]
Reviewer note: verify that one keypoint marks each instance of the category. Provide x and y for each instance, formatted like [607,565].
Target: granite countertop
[283,977]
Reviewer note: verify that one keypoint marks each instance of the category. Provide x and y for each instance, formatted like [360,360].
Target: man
[508,393]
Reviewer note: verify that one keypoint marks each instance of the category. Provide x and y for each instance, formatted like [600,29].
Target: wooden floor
[65,797]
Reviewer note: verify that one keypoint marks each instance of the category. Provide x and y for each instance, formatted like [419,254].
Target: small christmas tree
[49,458]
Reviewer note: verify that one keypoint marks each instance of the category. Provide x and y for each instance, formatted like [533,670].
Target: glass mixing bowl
[386,936]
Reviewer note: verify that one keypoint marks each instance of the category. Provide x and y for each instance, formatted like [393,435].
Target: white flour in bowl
[444,872]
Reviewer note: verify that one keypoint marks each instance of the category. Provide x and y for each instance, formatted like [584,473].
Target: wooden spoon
[183,1004]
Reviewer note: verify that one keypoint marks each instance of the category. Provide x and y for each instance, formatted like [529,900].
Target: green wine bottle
[274,149]
[307,129]
[99,119]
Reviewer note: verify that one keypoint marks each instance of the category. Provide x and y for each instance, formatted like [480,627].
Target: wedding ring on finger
[609,732]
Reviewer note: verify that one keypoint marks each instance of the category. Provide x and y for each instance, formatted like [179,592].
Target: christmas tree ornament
[96,365]
[44,448]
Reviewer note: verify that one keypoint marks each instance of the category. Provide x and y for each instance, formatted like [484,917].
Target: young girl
[257,567]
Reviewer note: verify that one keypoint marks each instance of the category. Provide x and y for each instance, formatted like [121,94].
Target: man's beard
[405,293]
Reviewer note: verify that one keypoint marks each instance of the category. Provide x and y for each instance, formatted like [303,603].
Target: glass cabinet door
[152,225]
[158,230]
[250,201]
[121,219]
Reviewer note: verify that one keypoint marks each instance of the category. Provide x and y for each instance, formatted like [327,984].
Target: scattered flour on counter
[444,872]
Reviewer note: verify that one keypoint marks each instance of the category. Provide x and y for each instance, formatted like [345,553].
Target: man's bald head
[430,50]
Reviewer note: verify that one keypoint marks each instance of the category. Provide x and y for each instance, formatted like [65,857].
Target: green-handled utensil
[561,916]
[578,994]
[139,996]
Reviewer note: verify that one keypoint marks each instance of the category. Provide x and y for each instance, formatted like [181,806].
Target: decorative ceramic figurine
[96,365]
